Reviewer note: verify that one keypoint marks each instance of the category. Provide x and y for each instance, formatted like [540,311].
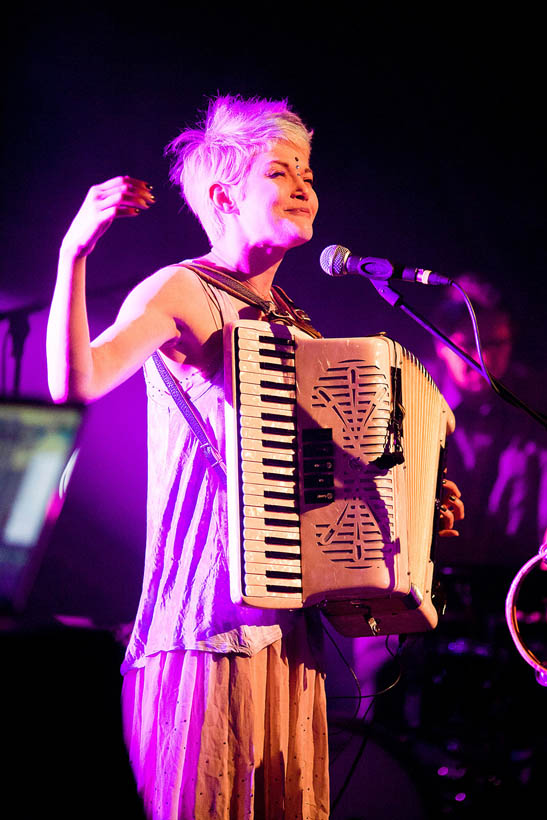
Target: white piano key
[260,453]
[254,442]
[261,515]
[252,366]
[253,500]
[249,400]
[259,409]
[261,582]
[255,334]
[255,433]
[251,523]
[249,466]
[253,451]
[279,377]
[256,535]
[288,559]
[258,479]
[256,389]
[261,592]
[260,490]
[258,547]
[257,423]
[276,564]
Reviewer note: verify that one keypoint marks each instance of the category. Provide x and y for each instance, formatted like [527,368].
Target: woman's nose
[301,190]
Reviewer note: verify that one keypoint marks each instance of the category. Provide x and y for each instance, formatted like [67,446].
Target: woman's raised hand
[117,197]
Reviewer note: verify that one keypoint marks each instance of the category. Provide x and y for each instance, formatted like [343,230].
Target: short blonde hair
[223,146]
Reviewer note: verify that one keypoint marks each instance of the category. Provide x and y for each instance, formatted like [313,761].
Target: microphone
[338,261]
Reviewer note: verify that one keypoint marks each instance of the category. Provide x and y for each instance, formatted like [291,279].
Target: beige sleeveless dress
[224,706]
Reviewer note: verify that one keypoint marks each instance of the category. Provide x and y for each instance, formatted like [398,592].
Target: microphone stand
[395,299]
[19,328]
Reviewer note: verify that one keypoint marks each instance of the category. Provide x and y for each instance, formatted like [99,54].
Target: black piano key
[276,385]
[285,556]
[276,417]
[275,494]
[277,431]
[265,397]
[279,368]
[279,445]
[278,462]
[279,477]
[278,340]
[279,522]
[273,573]
[277,541]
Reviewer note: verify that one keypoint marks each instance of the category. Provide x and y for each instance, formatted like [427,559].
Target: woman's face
[276,202]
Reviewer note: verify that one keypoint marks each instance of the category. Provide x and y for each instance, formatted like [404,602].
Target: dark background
[429,149]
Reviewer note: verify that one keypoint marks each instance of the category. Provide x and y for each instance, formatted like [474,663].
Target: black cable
[360,697]
[476,334]
[500,389]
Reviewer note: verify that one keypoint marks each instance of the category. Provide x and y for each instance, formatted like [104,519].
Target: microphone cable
[360,697]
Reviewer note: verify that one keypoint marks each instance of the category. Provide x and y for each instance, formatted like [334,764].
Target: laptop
[38,450]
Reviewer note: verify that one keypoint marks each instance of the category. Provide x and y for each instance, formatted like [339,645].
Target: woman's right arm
[70,356]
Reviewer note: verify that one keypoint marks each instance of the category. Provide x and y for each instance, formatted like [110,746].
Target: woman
[224,706]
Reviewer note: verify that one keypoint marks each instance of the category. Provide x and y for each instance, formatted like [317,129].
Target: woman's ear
[221,195]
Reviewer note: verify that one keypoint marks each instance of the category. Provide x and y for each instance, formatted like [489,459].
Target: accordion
[334,449]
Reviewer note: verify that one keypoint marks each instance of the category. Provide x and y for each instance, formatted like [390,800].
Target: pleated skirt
[229,737]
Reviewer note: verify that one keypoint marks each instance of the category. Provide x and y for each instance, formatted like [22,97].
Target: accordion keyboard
[267,463]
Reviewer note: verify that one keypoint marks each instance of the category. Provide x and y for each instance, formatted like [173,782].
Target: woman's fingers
[451,498]
[124,194]
[451,509]
[122,202]
[455,505]
[124,183]
[450,486]
[121,196]
[447,523]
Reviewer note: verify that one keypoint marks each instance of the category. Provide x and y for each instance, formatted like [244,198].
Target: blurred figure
[498,454]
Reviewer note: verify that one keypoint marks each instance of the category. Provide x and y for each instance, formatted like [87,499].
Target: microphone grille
[333,259]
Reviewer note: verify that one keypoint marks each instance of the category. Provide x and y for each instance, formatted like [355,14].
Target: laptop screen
[37,453]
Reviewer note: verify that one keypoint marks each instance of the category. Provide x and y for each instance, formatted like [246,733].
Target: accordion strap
[187,409]
[282,309]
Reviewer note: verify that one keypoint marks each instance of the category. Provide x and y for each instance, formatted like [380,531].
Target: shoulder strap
[282,309]
[194,422]
[300,317]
